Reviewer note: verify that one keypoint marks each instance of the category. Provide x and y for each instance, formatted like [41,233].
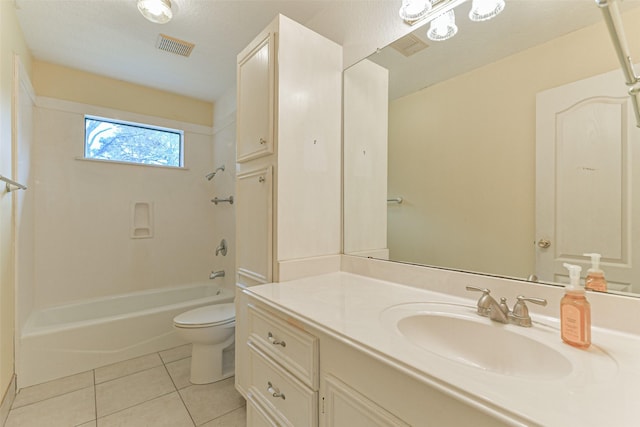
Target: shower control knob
[544,243]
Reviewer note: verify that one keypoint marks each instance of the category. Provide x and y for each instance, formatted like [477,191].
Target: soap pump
[595,280]
[575,311]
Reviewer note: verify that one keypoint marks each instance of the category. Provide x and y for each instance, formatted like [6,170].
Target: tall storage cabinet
[288,187]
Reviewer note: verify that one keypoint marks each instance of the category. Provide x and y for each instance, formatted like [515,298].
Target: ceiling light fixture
[156,11]
[413,10]
[481,10]
[443,27]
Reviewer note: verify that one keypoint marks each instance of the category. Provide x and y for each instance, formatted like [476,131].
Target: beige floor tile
[164,411]
[180,371]
[128,367]
[176,353]
[53,388]
[237,418]
[210,401]
[89,424]
[125,392]
[69,409]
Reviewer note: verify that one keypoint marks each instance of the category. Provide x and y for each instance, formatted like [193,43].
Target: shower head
[212,174]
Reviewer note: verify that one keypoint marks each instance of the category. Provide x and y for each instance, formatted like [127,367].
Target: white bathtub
[64,340]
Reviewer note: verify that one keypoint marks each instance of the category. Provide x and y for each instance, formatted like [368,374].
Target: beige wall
[462,153]
[11,41]
[56,81]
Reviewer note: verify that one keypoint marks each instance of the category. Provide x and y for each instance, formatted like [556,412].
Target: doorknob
[544,243]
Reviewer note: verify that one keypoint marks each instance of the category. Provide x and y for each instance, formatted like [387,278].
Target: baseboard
[7,401]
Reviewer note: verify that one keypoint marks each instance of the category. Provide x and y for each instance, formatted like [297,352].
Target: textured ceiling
[110,37]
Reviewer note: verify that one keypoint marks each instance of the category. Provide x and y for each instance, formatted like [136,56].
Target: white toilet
[211,329]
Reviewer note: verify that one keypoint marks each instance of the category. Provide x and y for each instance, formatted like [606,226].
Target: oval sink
[458,333]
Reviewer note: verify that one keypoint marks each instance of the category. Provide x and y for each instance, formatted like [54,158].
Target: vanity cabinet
[254,211]
[288,182]
[301,375]
[283,371]
[289,123]
[255,99]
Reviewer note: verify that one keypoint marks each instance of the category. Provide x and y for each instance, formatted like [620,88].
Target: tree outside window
[133,143]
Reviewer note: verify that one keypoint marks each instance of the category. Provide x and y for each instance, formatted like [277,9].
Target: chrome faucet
[489,307]
[215,274]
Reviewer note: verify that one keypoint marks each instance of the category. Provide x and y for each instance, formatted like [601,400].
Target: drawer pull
[274,391]
[263,141]
[273,340]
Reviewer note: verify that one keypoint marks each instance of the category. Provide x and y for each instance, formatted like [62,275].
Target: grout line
[49,398]
[244,405]
[133,406]
[95,399]
[145,401]
[170,377]
[180,395]
[129,374]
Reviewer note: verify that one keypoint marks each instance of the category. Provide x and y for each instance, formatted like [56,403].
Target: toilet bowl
[210,329]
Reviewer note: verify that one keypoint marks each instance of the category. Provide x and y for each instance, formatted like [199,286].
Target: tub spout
[215,274]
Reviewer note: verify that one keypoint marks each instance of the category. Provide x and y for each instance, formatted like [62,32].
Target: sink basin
[457,333]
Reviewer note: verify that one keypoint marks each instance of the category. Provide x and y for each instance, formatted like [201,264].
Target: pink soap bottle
[595,280]
[575,311]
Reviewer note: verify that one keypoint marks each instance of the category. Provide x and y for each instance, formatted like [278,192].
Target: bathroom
[58,236]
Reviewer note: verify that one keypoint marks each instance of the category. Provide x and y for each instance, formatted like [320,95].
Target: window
[106,139]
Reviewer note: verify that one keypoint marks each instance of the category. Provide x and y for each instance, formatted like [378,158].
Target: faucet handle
[484,302]
[520,313]
[483,290]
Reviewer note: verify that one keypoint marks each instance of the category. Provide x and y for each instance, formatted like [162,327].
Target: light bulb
[481,10]
[412,10]
[157,11]
[443,27]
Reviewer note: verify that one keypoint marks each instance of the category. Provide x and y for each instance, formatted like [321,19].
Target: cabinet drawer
[281,392]
[293,348]
[258,415]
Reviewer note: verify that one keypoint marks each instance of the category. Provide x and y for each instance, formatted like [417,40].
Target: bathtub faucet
[215,274]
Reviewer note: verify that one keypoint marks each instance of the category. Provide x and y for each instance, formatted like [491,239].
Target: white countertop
[602,389]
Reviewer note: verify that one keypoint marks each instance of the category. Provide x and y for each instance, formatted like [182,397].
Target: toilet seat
[211,315]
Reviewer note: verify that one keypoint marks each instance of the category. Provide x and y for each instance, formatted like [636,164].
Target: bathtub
[69,339]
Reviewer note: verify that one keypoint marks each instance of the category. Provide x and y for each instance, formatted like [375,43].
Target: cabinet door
[255,101]
[254,226]
[343,406]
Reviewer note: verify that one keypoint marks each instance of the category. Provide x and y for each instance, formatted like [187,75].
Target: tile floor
[152,390]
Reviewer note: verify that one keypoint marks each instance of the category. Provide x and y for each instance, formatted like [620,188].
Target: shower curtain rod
[612,18]
[10,182]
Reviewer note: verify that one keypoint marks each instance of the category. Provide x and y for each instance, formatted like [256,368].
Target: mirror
[454,138]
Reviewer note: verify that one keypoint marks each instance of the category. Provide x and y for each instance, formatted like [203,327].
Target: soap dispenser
[575,311]
[595,280]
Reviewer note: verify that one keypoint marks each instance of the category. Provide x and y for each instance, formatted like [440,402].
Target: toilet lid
[210,315]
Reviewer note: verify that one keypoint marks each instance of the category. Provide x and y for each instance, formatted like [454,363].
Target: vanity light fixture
[156,11]
[413,10]
[443,27]
[482,10]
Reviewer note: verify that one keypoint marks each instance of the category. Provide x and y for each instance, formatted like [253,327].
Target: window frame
[179,132]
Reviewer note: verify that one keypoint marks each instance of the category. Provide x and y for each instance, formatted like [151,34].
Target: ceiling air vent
[174,45]
[409,45]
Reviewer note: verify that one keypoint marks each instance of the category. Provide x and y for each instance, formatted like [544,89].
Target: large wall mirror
[506,150]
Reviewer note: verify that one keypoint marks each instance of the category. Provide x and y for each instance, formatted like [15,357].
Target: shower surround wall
[223,184]
[83,245]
